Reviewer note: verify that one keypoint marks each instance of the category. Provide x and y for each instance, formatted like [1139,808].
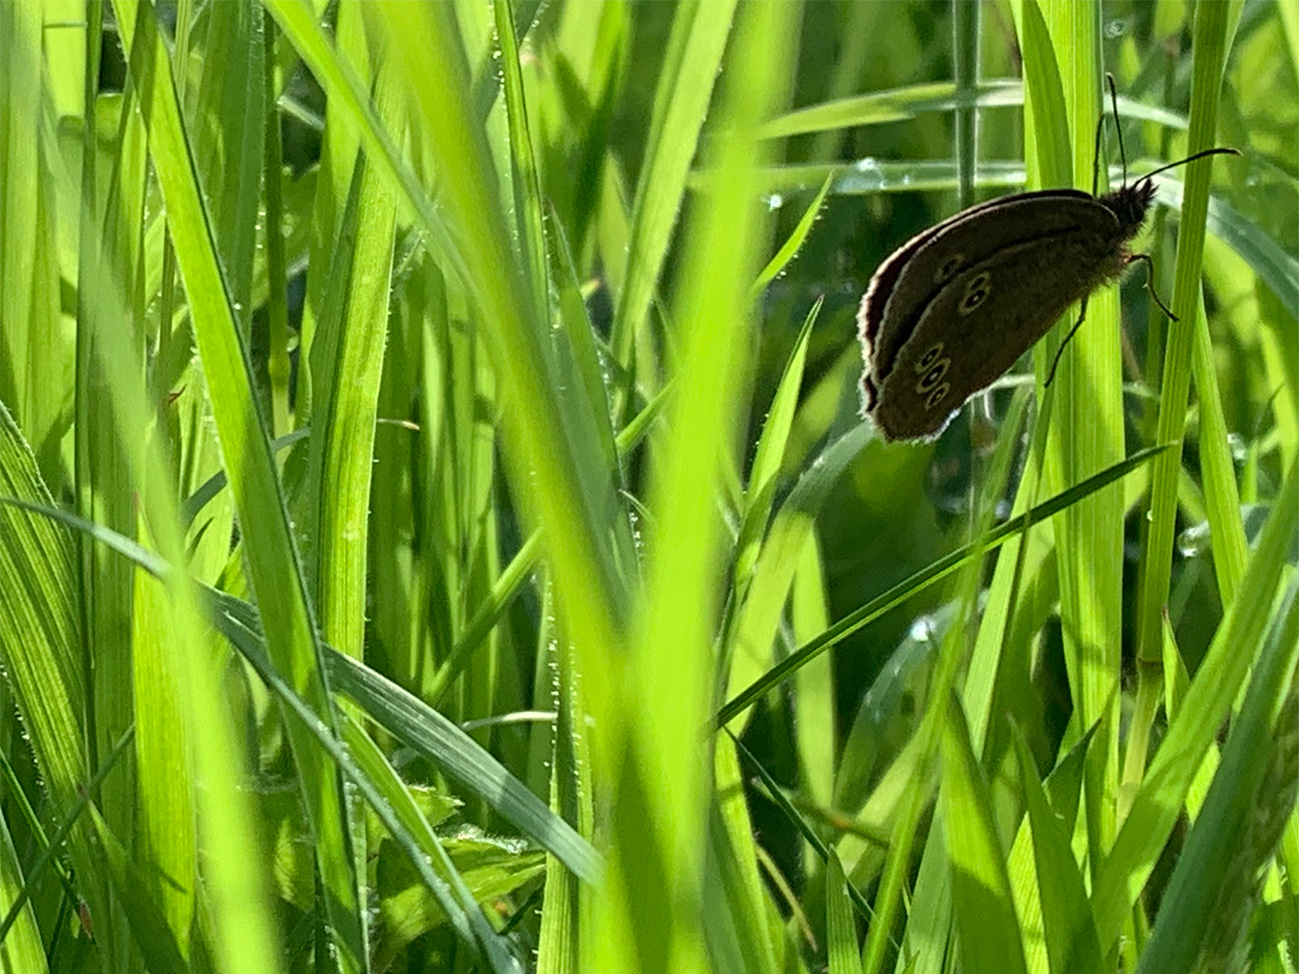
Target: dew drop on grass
[922,630]
[1239,448]
[1194,541]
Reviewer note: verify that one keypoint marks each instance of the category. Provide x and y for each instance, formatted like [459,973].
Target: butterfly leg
[1082,315]
[1150,279]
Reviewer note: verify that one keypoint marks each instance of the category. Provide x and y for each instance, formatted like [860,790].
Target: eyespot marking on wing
[929,358]
[931,378]
[976,292]
[937,396]
[949,268]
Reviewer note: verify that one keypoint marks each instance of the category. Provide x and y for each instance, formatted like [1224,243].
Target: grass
[437,532]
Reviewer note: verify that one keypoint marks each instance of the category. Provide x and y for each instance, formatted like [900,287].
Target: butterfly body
[957,305]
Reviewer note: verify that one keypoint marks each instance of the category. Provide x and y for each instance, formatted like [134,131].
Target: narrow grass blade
[274,570]
[778,559]
[1209,49]
[670,656]
[770,453]
[1158,803]
[148,925]
[741,939]
[840,927]
[365,767]
[1071,944]
[985,912]
[1088,435]
[694,53]
[896,105]
[789,249]
[922,579]
[1211,891]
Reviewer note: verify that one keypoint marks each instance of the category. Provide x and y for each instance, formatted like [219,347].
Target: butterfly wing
[964,333]
[918,270]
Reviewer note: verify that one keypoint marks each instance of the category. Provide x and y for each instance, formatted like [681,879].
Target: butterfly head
[1130,204]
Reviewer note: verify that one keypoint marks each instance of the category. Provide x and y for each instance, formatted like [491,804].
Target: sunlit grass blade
[895,105]
[789,249]
[777,795]
[559,939]
[453,750]
[1210,891]
[733,850]
[148,925]
[1070,935]
[546,433]
[1267,256]
[529,214]
[269,548]
[868,176]
[841,929]
[770,452]
[39,631]
[694,52]
[404,715]
[1211,23]
[981,900]
[1088,431]
[1158,802]
[773,572]
[52,846]
[670,656]
[369,771]
[511,578]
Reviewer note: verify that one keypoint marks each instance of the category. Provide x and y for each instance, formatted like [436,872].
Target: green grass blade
[148,925]
[841,928]
[895,105]
[454,751]
[527,182]
[770,453]
[733,849]
[1209,55]
[1211,887]
[268,543]
[694,54]
[778,559]
[39,631]
[1158,803]
[670,660]
[1071,944]
[985,913]
[789,249]
[369,771]
[928,576]
[1088,425]
[544,431]
[401,713]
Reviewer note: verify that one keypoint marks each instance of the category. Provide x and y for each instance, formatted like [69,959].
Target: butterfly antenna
[1218,151]
[1118,127]
[1096,153]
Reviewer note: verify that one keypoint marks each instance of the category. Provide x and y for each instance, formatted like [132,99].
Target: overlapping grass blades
[558,482]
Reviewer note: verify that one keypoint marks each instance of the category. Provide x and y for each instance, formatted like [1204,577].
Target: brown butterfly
[956,306]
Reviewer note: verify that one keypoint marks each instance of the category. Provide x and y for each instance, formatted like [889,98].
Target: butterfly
[954,307]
